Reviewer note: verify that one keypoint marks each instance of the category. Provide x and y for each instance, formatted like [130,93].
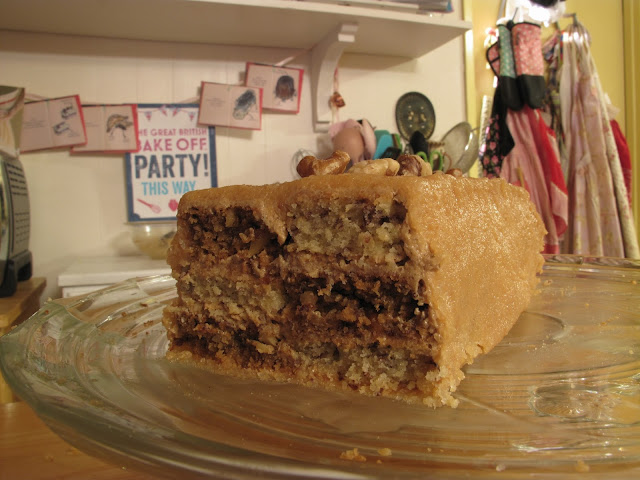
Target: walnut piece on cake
[367,283]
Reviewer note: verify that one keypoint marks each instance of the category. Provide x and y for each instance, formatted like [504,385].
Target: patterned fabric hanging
[625,156]
[519,146]
[552,50]
[533,164]
[600,221]
[498,140]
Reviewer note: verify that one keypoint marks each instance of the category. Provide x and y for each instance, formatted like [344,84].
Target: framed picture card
[281,86]
[230,106]
[52,123]
[176,155]
[110,128]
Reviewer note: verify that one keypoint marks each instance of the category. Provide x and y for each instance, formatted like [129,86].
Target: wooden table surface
[22,304]
[15,310]
[30,450]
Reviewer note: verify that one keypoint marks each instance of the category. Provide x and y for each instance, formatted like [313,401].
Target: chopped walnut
[335,164]
[381,166]
[263,347]
[413,165]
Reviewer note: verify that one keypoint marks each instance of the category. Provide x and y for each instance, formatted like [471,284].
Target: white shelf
[263,23]
[326,30]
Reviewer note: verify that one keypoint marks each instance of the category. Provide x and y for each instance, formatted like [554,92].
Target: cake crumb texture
[353,455]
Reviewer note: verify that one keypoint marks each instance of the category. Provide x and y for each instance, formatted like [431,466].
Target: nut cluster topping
[335,164]
[339,161]
[383,166]
[413,165]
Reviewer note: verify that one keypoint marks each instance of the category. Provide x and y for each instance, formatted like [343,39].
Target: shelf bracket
[324,60]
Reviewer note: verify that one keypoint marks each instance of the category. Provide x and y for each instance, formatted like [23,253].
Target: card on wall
[52,123]
[176,155]
[281,85]
[110,128]
[230,106]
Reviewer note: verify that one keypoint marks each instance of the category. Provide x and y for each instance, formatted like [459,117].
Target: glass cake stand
[559,397]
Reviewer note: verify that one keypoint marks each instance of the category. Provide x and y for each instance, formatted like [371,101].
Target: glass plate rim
[248,461]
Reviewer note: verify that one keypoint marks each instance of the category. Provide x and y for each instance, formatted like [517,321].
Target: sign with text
[176,155]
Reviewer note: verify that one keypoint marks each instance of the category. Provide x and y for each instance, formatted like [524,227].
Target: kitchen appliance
[15,226]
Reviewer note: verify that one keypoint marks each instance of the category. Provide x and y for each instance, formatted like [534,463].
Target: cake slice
[380,285]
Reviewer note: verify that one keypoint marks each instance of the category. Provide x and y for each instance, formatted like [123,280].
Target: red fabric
[550,161]
[534,164]
[625,155]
